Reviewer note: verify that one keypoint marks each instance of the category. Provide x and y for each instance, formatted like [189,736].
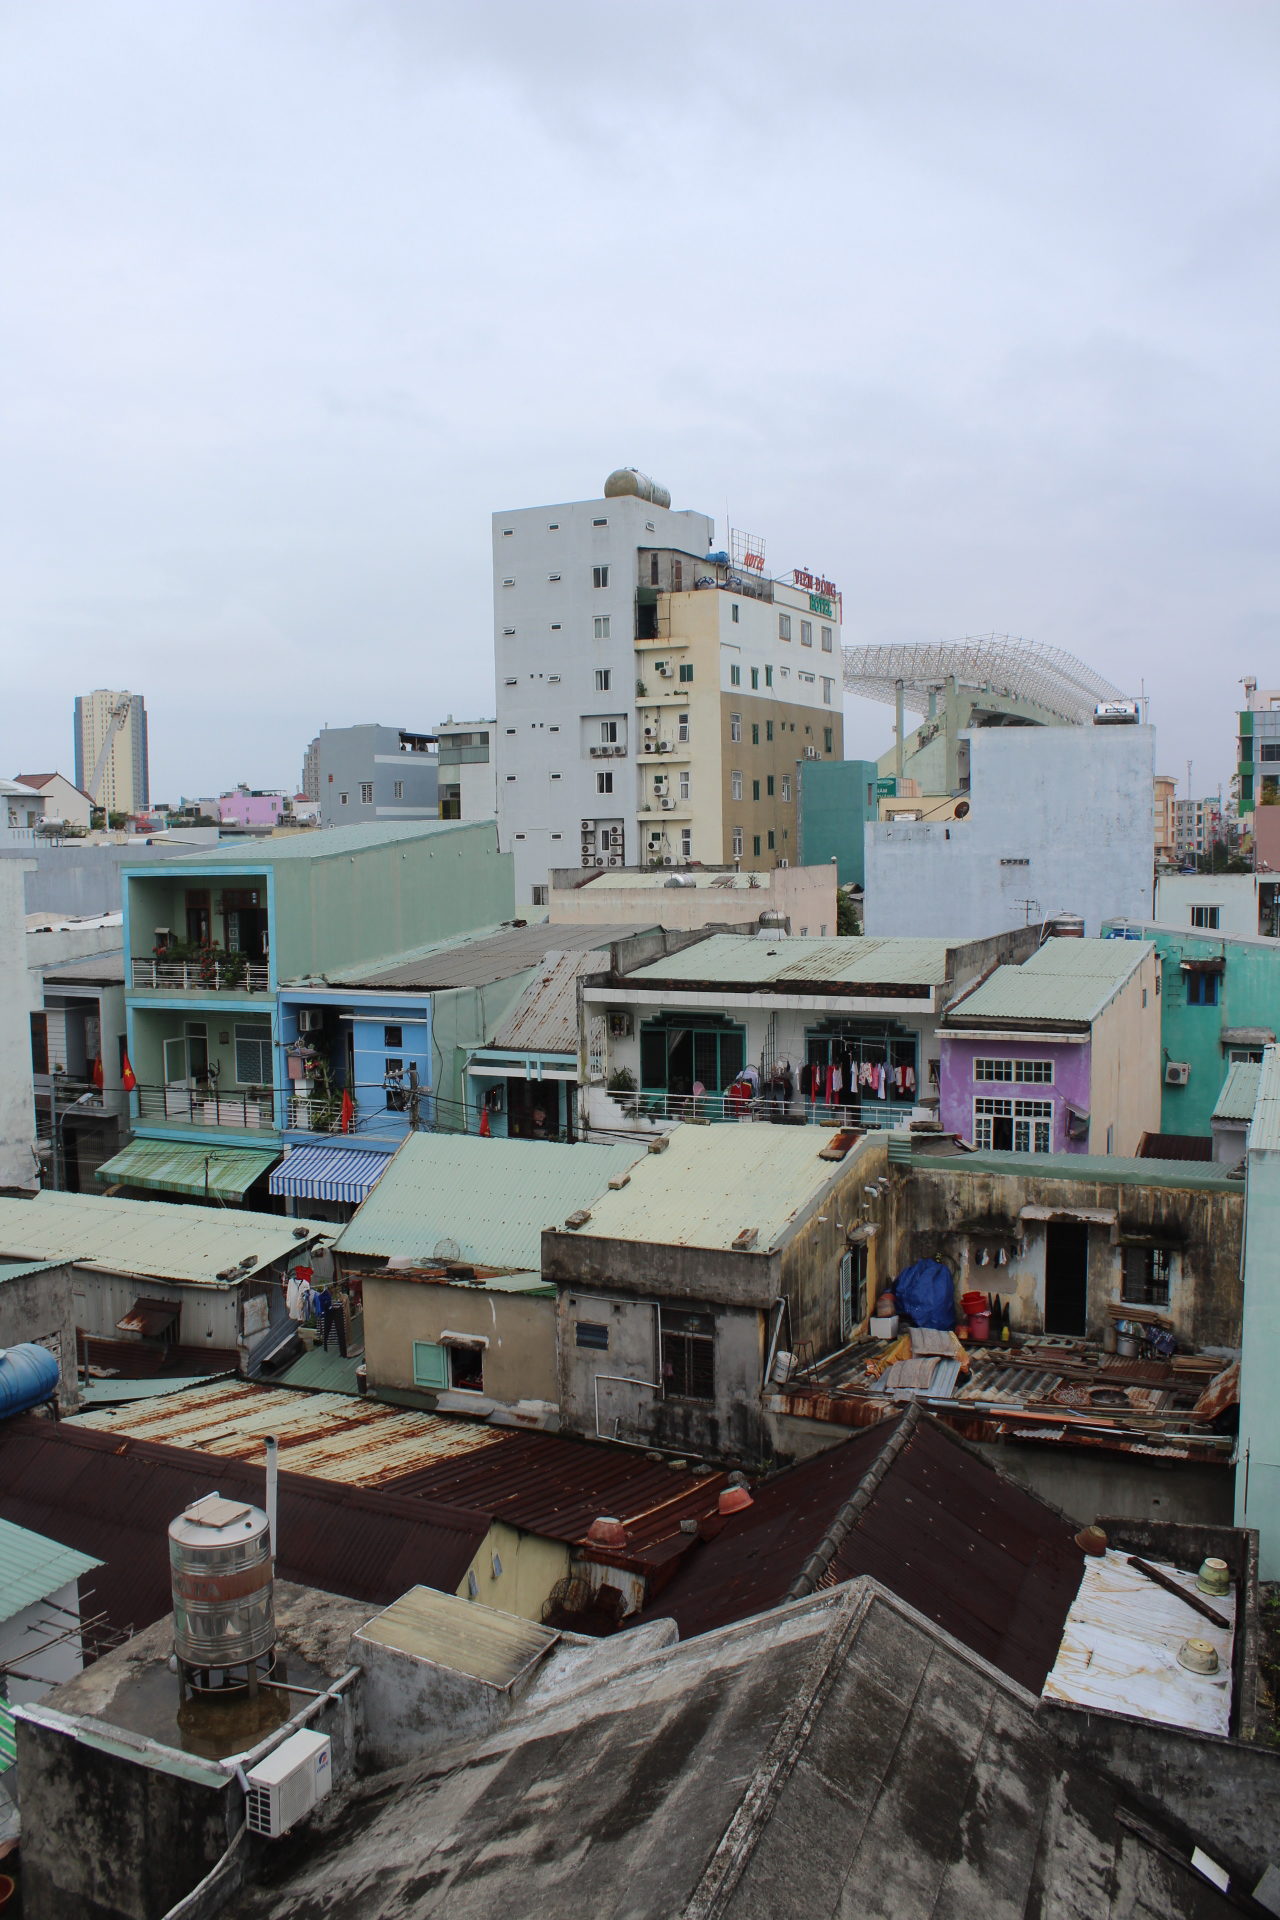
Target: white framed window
[253,1056]
[1013,1126]
[604,783]
[604,678]
[784,626]
[600,621]
[342,799]
[1146,1274]
[686,843]
[684,785]
[397,791]
[826,640]
[786,786]
[737,843]
[599,576]
[1205,916]
[682,729]
[1037,1072]
[827,685]
[806,633]
[553,576]
[735,784]
[599,523]
[735,675]
[733,613]
[539,895]
[608,732]
[366,793]
[735,728]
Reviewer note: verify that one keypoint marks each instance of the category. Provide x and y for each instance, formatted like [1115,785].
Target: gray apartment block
[369,773]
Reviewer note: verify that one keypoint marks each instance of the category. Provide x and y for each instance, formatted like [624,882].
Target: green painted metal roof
[1098,1169]
[320,843]
[32,1567]
[322,1372]
[1239,1094]
[742,960]
[119,1393]
[8,1738]
[711,1183]
[221,1173]
[1264,1134]
[1066,981]
[491,1197]
[147,1239]
[19,1269]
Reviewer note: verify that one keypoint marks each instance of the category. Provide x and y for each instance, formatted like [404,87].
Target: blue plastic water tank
[28,1375]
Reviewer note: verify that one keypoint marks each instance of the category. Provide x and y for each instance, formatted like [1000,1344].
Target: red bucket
[974,1303]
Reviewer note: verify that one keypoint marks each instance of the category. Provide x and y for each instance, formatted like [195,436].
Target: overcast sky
[969,305]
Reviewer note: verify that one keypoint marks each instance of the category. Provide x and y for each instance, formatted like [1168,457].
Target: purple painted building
[1058,1055]
[244,808]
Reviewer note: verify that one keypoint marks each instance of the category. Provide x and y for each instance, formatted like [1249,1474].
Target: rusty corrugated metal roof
[114,1498]
[545,1017]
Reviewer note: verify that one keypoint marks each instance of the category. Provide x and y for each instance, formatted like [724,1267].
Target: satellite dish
[961,810]
[446,1250]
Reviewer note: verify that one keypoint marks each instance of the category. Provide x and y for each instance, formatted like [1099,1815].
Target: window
[786,787]
[755,845]
[768,676]
[677,576]
[653,569]
[755,733]
[1146,1272]
[684,785]
[539,895]
[735,676]
[755,789]
[1205,916]
[853,1289]
[686,843]
[733,613]
[507,532]
[604,676]
[599,523]
[755,677]
[342,798]
[253,1056]
[735,727]
[806,633]
[591,1333]
[688,1355]
[366,793]
[1202,989]
[768,785]
[553,576]
[393,1036]
[826,640]
[771,840]
[600,621]
[737,843]
[1038,1071]
[827,740]
[827,685]
[608,732]
[1013,1126]
[768,729]
[784,626]
[686,672]
[466,1367]
[397,791]
[430,1365]
[682,728]
[735,784]
[393,1084]
[675,1057]
[604,783]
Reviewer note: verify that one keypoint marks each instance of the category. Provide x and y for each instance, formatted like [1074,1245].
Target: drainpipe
[273,1480]
[899,697]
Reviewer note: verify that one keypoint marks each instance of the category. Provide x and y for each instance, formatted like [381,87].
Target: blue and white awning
[329,1173]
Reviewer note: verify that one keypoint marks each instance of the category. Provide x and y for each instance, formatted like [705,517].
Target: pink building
[244,808]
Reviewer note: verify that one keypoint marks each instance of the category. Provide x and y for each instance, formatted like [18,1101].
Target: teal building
[1258,1457]
[836,799]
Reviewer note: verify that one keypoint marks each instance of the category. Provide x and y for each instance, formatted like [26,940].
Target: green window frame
[768,785]
[430,1365]
[768,729]
[679,1050]
[755,677]
[755,844]
[686,671]
[755,733]
[755,789]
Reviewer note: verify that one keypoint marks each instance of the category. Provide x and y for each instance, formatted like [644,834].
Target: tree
[848,918]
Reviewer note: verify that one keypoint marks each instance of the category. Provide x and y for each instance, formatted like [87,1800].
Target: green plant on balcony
[621,1080]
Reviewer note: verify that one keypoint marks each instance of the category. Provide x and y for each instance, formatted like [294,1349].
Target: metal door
[1066,1277]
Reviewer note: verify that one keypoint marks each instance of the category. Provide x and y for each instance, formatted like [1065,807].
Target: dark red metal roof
[135,1360]
[983,1557]
[1175,1146]
[555,1486]
[114,1498]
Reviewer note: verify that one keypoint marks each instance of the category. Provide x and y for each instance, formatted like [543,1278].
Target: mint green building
[1258,1460]
[1220,1004]
[835,800]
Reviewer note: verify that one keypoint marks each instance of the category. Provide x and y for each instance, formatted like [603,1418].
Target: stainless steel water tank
[220,1570]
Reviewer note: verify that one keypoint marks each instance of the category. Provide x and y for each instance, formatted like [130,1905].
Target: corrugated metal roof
[1239,1094]
[983,1557]
[1099,1169]
[223,1173]
[148,1239]
[545,1017]
[543,1483]
[491,1197]
[320,843]
[1264,1134]
[493,1647]
[713,1182]
[1064,981]
[479,960]
[116,1392]
[19,1269]
[93,970]
[741,960]
[114,1498]
[33,1566]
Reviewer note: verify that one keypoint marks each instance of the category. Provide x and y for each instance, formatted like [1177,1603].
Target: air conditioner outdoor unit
[599,859]
[588,826]
[614,860]
[655,840]
[588,860]
[667,800]
[288,1783]
[664,668]
[811,753]
[668,860]
[1177,1073]
[310,1019]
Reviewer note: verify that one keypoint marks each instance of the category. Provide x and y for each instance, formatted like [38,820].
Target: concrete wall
[1060,816]
[82,878]
[515,1571]
[1085,1482]
[836,800]
[1070,1086]
[17,1093]
[806,894]
[1258,1471]
[40,1307]
[349,757]
[1126,1068]
[1234,895]
[519,1362]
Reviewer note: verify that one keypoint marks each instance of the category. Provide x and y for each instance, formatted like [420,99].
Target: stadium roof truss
[998,664]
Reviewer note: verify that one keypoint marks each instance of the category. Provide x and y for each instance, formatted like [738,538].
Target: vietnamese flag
[483,1128]
[128,1078]
[347,1117]
[97,1076]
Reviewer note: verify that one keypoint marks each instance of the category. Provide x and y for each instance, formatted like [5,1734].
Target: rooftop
[481,958]
[712,1182]
[647,880]
[1264,1133]
[322,843]
[744,960]
[489,1198]
[33,1566]
[1239,1094]
[91,970]
[1164,929]
[1100,1169]
[545,1017]
[1064,982]
[147,1239]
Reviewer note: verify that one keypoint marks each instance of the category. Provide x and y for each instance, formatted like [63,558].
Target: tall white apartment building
[654,695]
[111,741]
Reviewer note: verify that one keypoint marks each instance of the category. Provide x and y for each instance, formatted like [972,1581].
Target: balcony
[228,973]
[657,1104]
[204,1107]
[316,1113]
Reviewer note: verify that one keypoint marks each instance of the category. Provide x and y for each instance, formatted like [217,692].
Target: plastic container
[980,1325]
[28,1376]
[972,1303]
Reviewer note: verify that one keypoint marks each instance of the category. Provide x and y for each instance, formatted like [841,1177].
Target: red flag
[128,1078]
[483,1128]
[97,1076]
[347,1117]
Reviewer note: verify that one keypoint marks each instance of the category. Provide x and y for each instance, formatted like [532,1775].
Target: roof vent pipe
[273,1481]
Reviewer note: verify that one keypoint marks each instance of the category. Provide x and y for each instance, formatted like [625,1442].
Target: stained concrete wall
[519,1361]
[40,1307]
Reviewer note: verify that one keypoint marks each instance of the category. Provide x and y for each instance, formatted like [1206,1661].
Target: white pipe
[273,1478]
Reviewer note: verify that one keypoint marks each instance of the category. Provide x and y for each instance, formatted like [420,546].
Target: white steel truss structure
[998,664]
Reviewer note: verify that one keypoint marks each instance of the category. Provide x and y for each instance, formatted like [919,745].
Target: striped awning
[329,1173]
[8,1738]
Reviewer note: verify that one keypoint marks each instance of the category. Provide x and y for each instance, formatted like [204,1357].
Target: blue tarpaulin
[926,1295]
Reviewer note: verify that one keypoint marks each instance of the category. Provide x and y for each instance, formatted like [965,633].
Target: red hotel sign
[813,583]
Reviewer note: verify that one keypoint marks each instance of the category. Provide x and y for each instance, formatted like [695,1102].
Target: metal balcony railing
[313,1114]
[203,1107]
[656,1104]
[227,974]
